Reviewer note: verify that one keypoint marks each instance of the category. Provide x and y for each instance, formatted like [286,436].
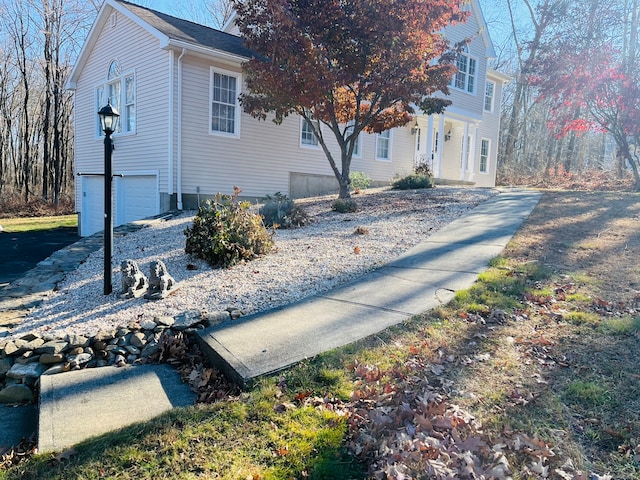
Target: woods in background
[40,41]
[573,105]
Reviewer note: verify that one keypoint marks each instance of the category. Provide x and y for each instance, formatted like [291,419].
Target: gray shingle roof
[186,31]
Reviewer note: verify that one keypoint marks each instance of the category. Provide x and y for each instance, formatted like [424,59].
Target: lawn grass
[297,424]
[526,351]
[26,224]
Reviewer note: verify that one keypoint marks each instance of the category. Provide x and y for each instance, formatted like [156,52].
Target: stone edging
[24,360]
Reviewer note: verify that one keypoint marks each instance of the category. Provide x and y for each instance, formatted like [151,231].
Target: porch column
[429,143]
[438,161]
[471,168]
[465,151]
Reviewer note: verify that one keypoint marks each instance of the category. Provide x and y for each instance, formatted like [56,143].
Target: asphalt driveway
[20,252]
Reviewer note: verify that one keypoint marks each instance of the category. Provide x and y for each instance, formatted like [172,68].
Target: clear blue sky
[495,12]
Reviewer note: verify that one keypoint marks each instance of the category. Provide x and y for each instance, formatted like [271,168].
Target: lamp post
[109,121]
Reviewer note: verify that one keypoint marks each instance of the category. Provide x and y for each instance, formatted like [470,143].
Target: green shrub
[359,181]
[413,181]
[225,232]
[279,210]
[344,205]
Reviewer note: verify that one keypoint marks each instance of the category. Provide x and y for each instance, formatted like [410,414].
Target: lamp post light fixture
[415,128]
[109,122]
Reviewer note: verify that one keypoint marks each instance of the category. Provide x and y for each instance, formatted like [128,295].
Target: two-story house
[183,136]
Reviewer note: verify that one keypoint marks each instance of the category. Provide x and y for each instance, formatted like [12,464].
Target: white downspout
[179,159]
[171,126]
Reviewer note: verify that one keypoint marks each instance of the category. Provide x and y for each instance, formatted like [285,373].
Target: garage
[135,196]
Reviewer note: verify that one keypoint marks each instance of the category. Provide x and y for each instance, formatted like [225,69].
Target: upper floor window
[484,155]
[120,92]
[225,108]
[307,137]
[383,145]
[465,78]
[489,92]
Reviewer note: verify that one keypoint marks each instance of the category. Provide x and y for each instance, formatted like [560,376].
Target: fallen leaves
[413,431]
[13,456]
[182,352]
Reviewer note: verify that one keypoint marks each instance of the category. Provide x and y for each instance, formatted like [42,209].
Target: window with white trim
[484,155]
[383,145]
[465,78]
[307,137]
[223,99]
[489,92]
[119,90]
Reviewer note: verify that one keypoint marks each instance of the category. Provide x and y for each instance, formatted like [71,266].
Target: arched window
[120,91]
[114,70]
[465,78]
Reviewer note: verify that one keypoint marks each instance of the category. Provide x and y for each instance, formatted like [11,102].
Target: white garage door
[134,197]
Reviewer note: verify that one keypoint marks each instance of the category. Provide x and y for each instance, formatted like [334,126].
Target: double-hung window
[225,108]
[119,91]
[484,155]
[383,145]
[307,137]
[489,92]
[465,78]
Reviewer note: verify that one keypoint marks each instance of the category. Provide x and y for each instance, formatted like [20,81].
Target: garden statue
[134,283]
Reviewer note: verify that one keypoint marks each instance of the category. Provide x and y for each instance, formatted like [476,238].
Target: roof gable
[169,31]
[484,31]
[185,31]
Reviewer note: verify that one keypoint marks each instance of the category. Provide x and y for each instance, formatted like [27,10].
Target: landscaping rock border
[24,360]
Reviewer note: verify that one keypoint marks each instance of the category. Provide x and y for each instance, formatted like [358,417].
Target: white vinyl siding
[383,145]
[489,94]
[485,145]
[225,107]
[269,154]
[149,66]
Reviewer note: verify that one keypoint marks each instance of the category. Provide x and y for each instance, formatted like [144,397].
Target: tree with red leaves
[592,82]
[351,65]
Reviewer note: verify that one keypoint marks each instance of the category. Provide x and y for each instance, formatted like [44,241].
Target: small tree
[350,65]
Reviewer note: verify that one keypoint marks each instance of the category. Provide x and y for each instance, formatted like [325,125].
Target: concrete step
[78,405]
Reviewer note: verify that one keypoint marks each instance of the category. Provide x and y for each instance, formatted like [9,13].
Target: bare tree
[40,39]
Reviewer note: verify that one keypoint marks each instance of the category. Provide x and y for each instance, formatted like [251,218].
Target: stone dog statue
[161,284]
[134,283]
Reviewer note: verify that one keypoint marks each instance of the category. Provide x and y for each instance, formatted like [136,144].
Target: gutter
[209,52]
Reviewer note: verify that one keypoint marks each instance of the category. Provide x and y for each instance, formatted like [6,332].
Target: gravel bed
[305,261]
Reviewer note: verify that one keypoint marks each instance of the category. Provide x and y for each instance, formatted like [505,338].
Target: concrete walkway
[77,405]
[425,277]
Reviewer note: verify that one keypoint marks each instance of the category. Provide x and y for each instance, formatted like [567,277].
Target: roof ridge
[180,19]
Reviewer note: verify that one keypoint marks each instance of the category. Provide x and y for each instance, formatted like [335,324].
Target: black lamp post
[109,121]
